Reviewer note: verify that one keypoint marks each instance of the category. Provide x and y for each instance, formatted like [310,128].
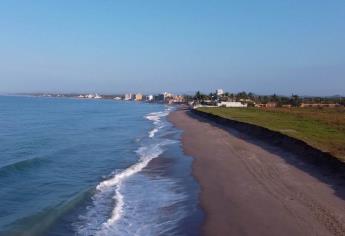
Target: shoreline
[301,148]
[249,187]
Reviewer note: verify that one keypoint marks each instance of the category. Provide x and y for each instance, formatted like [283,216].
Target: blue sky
[108,46]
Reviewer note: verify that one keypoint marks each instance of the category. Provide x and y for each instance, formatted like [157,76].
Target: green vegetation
[251,99]
[321,128]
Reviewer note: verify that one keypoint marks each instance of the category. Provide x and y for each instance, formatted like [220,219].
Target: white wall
[231,104]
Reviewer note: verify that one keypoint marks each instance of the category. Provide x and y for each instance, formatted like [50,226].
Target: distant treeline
[251,98]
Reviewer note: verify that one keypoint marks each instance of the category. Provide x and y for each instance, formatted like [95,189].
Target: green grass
[321,128]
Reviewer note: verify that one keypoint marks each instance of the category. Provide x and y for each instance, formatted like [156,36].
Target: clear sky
[272,46]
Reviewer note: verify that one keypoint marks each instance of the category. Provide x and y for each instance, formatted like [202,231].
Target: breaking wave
[155,117]
[124,204]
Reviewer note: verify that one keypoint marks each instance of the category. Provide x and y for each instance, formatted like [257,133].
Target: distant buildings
[319,105]
[271,104]
[150,98]
[90,96]
[219,92]
[97,96]
[128,96]
[231,104]
[138,97]
[167,95]
[266,105]
[286,106]
[218,99]
[178,99]
[159,98]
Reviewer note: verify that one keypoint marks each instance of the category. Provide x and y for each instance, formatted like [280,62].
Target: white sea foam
[153,132]
[147,154]
[153,207]
[156,118]
[108,192]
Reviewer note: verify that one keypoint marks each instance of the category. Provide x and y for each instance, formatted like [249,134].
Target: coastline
[99,178]
[252,188]
[304,150]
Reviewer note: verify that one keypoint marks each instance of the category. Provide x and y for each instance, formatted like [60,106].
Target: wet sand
[249,187]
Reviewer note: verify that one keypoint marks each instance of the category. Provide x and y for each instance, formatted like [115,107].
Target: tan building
[178,99]
[266,105]
[138,97]
[271,104]
[318,105]
[287,106]
[260,105]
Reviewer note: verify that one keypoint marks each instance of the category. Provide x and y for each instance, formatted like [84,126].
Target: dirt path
[251,188]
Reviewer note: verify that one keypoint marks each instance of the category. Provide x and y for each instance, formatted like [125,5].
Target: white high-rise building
[128,96]
[97,96]
[167,95]
[150,98]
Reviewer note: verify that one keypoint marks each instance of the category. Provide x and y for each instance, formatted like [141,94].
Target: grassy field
[321,128]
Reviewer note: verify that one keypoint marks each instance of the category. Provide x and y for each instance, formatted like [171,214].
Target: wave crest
[108,193]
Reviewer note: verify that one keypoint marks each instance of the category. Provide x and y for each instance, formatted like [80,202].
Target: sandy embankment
[251,188]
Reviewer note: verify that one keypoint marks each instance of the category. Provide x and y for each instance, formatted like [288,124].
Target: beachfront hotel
[138,97]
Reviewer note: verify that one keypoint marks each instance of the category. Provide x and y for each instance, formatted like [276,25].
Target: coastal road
[249,187]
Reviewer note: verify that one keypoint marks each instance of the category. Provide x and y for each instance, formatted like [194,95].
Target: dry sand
[251,188]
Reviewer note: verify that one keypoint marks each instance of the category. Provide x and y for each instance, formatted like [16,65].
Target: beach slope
[249,187]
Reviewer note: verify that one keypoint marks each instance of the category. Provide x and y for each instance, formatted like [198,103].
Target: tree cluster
[251,99]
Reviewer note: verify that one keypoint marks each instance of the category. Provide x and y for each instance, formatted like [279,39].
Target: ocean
[93,167]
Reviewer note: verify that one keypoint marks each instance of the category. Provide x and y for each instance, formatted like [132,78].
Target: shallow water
[93,167]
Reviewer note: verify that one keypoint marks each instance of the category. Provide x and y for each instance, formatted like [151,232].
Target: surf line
[146,153]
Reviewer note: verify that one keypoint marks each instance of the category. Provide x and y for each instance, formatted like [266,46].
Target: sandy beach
[249,187]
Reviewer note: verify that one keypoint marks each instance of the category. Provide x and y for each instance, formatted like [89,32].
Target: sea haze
[93,167]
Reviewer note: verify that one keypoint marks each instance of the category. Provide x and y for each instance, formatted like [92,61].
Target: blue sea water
[93,167]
